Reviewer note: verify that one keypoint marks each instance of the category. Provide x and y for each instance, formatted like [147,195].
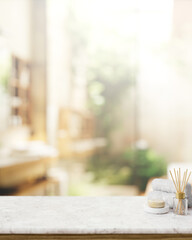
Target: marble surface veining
[85,215]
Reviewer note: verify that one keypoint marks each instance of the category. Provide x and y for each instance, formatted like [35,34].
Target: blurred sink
[21,165]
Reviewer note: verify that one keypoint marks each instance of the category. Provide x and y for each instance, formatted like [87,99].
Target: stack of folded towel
[166,189]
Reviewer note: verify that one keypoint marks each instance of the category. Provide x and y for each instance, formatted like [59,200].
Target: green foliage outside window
[108,56]
[132,167]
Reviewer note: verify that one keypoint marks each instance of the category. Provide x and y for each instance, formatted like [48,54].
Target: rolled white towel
[168,197]
[166,185]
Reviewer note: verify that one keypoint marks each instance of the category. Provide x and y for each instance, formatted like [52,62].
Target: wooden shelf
[19,88]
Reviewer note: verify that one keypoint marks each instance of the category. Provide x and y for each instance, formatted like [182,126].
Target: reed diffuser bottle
[180,202]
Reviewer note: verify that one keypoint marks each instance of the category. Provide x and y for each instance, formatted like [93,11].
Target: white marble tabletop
[86,215]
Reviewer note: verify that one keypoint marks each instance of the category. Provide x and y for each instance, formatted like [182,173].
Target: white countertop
[86,215]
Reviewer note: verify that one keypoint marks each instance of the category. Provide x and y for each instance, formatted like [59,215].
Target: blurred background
[95,95]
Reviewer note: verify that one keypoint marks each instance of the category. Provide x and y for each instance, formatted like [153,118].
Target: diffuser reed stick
[180,185]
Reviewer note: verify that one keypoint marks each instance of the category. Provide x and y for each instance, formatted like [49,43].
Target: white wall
[165,87]
[58,78]
[15,22]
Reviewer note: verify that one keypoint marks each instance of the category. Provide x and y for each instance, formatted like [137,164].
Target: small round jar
[155,200]
[180,204]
